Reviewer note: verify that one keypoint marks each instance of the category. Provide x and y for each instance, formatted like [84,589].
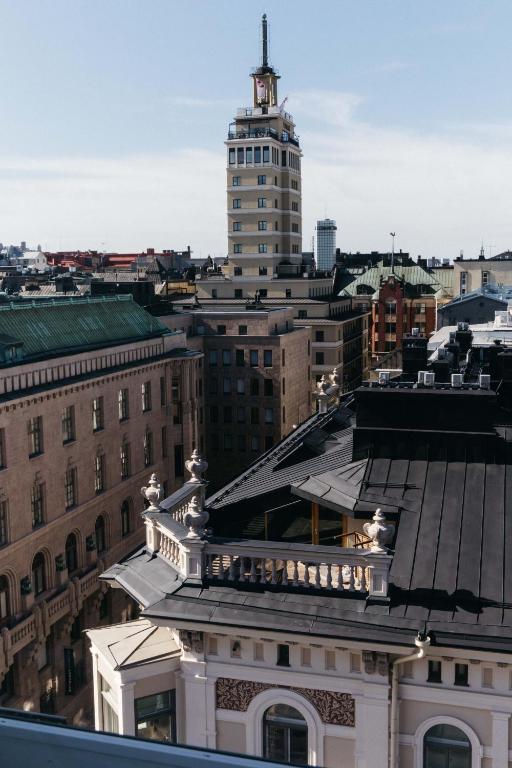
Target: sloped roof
[47,328]
[134,643]
[414,275]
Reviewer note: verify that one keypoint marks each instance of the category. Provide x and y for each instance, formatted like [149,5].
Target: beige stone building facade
[94,396]
[473,274]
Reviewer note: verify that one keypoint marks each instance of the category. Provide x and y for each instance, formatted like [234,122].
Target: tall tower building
[325,244]
[263,179]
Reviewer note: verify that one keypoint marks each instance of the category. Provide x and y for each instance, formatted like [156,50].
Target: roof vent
[383,377]
[457,379]
[421,377]
[429,378]
[484,381]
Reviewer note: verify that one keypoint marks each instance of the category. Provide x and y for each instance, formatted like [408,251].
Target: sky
[114,113]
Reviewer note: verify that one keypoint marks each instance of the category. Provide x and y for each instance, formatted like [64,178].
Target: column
[98,720]
[372,738]
[194,705]
[500,739]
[126,709]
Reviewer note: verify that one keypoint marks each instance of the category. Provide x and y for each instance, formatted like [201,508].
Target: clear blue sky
[114,114]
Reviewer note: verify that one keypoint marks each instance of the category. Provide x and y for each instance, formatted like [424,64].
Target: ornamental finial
[196,465]
[152,493]
[196,518]
[379,532]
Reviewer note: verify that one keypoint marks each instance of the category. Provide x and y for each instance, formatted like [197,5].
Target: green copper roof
[372,278]
[48,328]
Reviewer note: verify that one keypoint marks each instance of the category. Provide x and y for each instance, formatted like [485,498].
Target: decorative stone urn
[195,518]
[152,493]
[196,465]
[380,532]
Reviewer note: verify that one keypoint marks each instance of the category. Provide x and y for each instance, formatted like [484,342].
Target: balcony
[262,133]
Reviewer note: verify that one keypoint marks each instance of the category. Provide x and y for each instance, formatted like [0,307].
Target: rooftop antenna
[264,56]
[392,250]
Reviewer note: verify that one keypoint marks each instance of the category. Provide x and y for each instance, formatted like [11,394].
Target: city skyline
[400,112]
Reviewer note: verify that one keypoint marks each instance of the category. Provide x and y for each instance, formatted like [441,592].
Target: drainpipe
[422,642]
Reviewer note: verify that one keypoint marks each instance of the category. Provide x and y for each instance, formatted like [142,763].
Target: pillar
[194,704]
[127,709]
[500,739]
[372,723]
[98,720]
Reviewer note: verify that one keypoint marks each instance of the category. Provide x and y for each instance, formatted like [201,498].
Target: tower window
[237,203]
[240,156]
[262,202]
[262,247]
[248,155]
[262,179]
[232,156]
[262,226]
[237,180]
[257,154]
[266,154]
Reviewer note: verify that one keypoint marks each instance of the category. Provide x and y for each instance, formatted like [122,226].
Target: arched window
[99,534]
[71,553]
[285,735]
[4,598]
[125,517]
[445,746]
[38,574]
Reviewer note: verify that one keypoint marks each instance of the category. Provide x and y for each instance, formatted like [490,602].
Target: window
[214,414]
[242,331]
[37,504]
[255,387]
[288,293]
[266,154]
[125,518]
[237,248]
[269,415]
[5,603]
[319,336]
[255,415]
[148,448]
[303,313]
[212,358]
[68,424]
[330,660]
[99,534]
[226,357]
[262,202]
[262,271]
[123,405]
[485,278]
[226,386]
[236,649]
[70,486]
[487,677]
[461,674]
[238,271]
[163,391]
[269,442]
[257,154]
[232,157]
[295,248]
[227,415]
[267,358]
[221,330]
[240,414]
[262,293]
[237,202]
[146,396]
[262,226]
[97,414]
[319,358]
[240,155]
[295,227]
[239,294]
[248,155]
[35,436]
[434,671]
[255,443]
[285,735]
[253,358]
[446,746]
[38,574]
[268,387]
[240,386]
[237,226]
[155,717]
[214,293]
[283,387]
[71,553]
[262,247]
[125,460]
[237,180]
[228,441]
[262,179]
[99,473]
[283,655]
[258,653]
[4,509]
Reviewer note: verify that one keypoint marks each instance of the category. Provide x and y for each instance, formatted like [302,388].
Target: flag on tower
[261,90]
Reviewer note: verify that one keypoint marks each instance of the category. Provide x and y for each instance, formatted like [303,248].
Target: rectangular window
[283,655]
[267,358]
[461,674]
[97,414]
[268,387]
[255,387]
[226,385]
[125,460]
[262,180]
[434,671]
[262,271]
[319,358]
[288,293]
[163,392]
[35,436]
[305,657]
[99,473]
[214,386]
[269,442]
[237,226]
[257,154]
[263,293]
[212,358]
[240,386]
[237,202]
[228,441]
[239,353]
[303,313]
[236,181]
[262,226]
[3,524]
[258,654]
[232,156]
[239,294]
[148,448]
[70,485]
[262,202]
[255,415]
[487,677]
[214,414]
[123,403]
[68,424]
[240,155]
[319,336]
[240,414]
[266,154]
[237,247]
[269,415]
[179,467]
[155,717]
[165,450]
[248,155]
[253,358]
[227,415]
[295,227]
[238,271]
[37,504]
[255,443]
[146,396]
[330,660]
[262,248]
[242,331]
[226,357]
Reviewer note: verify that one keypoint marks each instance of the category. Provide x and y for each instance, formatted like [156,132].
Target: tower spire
[264,52]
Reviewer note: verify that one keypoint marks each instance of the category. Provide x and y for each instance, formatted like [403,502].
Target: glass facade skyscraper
[325,244]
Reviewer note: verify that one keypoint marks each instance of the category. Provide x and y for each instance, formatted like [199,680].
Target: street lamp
[392,249]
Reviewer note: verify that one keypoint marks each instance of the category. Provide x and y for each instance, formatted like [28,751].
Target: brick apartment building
[95,395]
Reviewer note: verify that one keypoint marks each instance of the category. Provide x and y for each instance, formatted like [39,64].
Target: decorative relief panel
[334,708]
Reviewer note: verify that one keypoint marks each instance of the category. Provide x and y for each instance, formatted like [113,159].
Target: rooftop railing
[261,133]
